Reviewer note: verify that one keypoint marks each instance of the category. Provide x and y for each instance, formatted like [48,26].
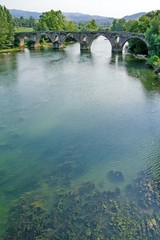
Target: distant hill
[75,17]
[80,17]
[134,16]
[25,14]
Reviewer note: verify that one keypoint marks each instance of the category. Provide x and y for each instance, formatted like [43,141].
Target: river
[68,118]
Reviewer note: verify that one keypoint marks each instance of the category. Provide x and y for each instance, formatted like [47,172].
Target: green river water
[68,118]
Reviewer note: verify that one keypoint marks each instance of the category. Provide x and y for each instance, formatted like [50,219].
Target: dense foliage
[22,22]
[54,21]
[154,62]
[92,26]
[148,24]
[6,27]
[118,25]
[153,34]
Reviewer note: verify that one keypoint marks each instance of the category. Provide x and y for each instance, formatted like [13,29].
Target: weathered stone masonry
[117,39]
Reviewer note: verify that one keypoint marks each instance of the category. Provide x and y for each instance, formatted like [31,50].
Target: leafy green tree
[149,24]
[79,26]
[52,20]
[41,26]
[132,26]
[153,35]
[31,21]
[70,26]
[144,23]
[10,27]
[92,26]
[6,27]
[118,25]
[22,22]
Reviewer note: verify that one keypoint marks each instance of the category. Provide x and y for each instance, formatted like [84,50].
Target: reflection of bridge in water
[85,39]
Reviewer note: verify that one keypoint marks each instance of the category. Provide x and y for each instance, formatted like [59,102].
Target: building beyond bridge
[85,39]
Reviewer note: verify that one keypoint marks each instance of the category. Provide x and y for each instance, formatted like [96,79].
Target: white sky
[108,8]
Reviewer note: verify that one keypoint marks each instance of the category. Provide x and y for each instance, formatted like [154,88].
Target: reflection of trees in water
[8,62]
[8,69]
[138,69]
[151,82]
[85,56]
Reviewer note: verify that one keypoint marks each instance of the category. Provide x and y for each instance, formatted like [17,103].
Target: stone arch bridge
[85,39]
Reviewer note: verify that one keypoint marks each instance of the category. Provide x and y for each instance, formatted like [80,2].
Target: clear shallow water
[68,117]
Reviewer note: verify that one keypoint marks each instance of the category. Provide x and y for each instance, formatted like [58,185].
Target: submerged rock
[116,176]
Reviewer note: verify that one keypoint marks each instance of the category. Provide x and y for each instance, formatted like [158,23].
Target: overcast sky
[108,8]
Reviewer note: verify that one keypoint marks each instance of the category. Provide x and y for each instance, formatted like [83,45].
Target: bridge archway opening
[56,39]
[117,39]
[69,40]
[44,40]
[101,44]
[135,45]
[84,38]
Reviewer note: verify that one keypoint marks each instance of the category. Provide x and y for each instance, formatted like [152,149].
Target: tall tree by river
[53,20]
[6,27]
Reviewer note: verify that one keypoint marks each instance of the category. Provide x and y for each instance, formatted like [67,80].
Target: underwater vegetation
[88,214]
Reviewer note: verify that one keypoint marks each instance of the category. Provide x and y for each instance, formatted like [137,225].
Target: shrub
[152,60]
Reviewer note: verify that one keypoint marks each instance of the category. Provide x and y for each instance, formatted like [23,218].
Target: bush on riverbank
[154,62]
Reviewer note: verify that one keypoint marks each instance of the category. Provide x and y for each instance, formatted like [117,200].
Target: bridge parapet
[85,38]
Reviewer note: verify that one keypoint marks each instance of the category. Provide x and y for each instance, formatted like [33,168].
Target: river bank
[8,51]
[152,62]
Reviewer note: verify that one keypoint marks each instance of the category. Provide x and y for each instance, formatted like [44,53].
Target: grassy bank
[9,50]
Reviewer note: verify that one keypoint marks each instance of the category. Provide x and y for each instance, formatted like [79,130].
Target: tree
[149,24]
[144,23]
[6,27]
[52,20]
[23,22]
[41,26]
[31,22]
[79,26]
[153,35]
[132,26]
[10,27]
[70,26]
[92,26]
[118,25]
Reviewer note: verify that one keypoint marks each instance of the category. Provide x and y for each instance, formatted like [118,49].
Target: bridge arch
[70,35]
[42,35]
[96,36]
[139,42]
